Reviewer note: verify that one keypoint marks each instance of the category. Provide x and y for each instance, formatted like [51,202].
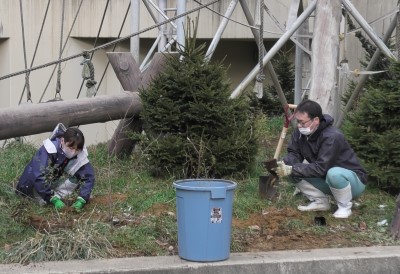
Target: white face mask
[69,152]
[306,130]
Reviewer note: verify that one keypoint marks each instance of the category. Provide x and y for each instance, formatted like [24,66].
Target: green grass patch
[133,214]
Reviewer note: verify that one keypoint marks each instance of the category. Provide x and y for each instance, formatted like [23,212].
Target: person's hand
[282,169]
[79,203]
[56,201]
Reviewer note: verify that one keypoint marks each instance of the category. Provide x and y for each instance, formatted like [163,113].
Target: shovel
[267,184]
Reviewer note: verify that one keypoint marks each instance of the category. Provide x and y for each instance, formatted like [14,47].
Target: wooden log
[31,119]
[126,69]
[128,73]
[130,77]
[325,52]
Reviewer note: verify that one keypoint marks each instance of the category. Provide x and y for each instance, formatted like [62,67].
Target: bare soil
[273,229]
[274,233]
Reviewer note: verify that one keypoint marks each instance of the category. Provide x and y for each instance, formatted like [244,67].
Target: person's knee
[335,178]
[334,173]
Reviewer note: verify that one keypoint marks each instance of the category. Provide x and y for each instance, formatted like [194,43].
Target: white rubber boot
[343,198]
[319,200]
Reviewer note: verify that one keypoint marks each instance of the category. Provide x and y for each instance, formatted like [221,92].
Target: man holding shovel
[321,162]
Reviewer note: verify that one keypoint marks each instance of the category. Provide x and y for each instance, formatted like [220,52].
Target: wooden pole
[28,119]
[129,75]
[131,78]
[325,50]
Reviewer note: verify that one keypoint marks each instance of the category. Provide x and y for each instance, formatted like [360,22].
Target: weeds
[84,241]
[132,213]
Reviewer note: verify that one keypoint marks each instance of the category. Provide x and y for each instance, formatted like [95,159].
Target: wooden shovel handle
[280,143]
[283,134]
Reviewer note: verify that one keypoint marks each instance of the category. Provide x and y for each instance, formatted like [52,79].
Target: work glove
[79,203]
[56,201]
[283,170]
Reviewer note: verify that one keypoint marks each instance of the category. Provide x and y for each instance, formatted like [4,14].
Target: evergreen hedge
[193,129]
[373,130]
[285,70]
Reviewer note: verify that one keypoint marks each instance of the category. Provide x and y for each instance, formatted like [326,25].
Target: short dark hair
[74,136]
[312,108]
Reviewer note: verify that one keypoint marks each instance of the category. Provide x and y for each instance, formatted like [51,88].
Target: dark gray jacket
[323,149]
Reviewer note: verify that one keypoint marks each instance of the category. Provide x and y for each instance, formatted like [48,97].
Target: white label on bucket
[216,215]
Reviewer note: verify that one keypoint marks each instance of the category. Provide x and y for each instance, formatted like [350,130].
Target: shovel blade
[267,186]
[270,165]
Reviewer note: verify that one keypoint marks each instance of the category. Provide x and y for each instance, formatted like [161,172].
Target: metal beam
[221,29]
[180,22]
[270,67]
[162,13]
[293,11]
[364,77]
[162,4]
[277,46]
[368,29]
[157,21]
[135,19]
[300,60]
[293,39]
[150,52]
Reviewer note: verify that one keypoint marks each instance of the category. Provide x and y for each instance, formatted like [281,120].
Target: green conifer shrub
[285,70]
[373,129]
[193,129]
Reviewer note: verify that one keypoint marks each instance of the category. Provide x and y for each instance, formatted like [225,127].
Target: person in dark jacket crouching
[321,162]
[58,169]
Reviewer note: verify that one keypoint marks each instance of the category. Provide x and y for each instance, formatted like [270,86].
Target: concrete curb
[363,260]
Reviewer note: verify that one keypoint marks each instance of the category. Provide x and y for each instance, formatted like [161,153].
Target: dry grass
[85,241]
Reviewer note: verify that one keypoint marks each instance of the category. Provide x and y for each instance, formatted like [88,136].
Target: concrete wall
[237,47]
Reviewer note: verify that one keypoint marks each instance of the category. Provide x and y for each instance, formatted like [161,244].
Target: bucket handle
[218,193]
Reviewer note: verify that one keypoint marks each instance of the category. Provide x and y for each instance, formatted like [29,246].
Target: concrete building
[76,24]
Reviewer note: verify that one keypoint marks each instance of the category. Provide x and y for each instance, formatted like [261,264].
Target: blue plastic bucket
[204,213]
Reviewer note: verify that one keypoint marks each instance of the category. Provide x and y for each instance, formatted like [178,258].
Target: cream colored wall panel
[90,16]
[98,133]
[5,84]
[4,18]
[94,134]
[209,20]
[44,53]
[89,19]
